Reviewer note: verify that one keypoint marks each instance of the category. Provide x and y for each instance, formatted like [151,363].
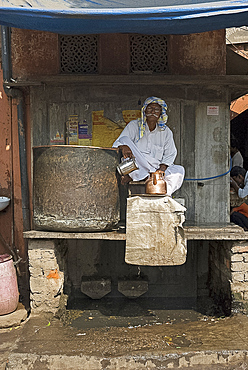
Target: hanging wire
[212,177]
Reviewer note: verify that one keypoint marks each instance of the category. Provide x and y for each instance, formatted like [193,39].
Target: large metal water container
[75,188]
[9,295]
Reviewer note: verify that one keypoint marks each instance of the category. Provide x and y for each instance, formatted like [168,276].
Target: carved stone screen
[78,54]
[148,53]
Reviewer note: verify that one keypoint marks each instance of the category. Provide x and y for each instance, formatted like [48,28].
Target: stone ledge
[201,232]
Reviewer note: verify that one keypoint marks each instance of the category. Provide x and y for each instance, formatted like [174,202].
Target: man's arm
[170,150]
[234,185]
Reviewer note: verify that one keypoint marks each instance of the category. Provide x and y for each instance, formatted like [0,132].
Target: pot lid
[5,257]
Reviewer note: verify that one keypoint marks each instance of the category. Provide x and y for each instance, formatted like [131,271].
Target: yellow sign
[105,131]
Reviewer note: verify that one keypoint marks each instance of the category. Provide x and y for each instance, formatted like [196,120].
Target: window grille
[78,54]
[148,53]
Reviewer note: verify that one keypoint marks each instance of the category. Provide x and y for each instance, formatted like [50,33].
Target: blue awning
[124,16]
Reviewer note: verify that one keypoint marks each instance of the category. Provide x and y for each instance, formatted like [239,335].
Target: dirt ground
[125,331]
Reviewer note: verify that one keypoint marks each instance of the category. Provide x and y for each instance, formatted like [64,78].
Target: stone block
[237,257]
[35,271]
[14,318]
[132,288]
[240,248]
[238,276]
[245,256]
[37,285]
[239,266]
[245,296]
[238,296]
[238,287]
[96,288]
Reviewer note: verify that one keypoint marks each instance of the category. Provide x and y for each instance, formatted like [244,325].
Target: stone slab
[14,318]
[132,288]
[96,288]
[194,232]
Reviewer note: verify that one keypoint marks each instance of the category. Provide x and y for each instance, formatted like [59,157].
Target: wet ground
[126,329]
[124,312]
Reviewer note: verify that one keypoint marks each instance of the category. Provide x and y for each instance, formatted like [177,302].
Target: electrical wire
[212,177]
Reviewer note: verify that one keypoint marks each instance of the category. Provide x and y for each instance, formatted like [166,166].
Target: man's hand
[234,185]
[126,151]
[163,167]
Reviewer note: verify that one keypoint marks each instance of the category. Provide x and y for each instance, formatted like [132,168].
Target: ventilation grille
[78,54]
[148,53]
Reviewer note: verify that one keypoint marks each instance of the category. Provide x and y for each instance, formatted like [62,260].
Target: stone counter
[200,232]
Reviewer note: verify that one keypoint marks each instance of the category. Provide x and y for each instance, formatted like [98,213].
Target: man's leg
[239,219]
[174,176]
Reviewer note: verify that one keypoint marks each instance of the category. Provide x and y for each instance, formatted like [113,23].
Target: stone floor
[199,342]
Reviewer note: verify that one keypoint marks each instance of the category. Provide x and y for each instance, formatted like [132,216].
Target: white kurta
[154,148]
[242,193]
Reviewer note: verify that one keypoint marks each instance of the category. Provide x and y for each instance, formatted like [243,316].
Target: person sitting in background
[237,159]
[239,182]
[150,141]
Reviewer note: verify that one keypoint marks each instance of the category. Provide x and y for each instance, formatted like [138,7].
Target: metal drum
[75,188]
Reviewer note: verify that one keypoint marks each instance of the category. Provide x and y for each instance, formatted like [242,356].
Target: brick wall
[239,272]
[220,275]
[228,275]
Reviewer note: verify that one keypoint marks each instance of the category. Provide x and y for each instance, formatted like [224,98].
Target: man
[150,141]
[239,182]
[237,159]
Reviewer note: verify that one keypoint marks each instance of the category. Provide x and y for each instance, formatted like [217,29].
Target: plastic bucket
[9,295]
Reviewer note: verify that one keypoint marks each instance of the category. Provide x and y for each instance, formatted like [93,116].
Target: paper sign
[212,110]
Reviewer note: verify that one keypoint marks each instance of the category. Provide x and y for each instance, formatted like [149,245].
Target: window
[78,54]
[148,53]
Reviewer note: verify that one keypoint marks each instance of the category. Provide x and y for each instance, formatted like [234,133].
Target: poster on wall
[77,132]
[106,131]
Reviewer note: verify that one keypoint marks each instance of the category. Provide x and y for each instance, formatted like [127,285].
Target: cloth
[242,193]
[154,231]
[162,119]
[154,148]
[242,209]
[237,160]
[239,219]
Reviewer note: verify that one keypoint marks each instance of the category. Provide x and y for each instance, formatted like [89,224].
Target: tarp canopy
[123,16]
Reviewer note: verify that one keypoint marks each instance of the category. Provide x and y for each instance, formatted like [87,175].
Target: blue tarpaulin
[124,16]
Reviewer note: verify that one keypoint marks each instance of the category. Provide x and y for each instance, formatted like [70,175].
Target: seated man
[237,159]
[150,141]
[239,182]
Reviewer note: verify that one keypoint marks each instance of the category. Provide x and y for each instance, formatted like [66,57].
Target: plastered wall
[36,53]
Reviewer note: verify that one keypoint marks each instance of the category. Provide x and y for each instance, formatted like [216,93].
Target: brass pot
[156,183]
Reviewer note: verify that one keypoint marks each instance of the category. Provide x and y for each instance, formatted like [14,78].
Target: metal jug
[126,166]
[156,183]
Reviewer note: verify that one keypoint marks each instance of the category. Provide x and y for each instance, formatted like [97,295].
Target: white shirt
[237,160]
[242,193]
[158,143]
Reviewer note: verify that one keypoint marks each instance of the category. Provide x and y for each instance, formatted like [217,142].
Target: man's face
[239,180]
[153,110]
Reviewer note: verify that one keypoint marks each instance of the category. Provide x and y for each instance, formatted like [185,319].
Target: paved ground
[200,342]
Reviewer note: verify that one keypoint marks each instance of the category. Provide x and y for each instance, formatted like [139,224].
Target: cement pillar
[46,275]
